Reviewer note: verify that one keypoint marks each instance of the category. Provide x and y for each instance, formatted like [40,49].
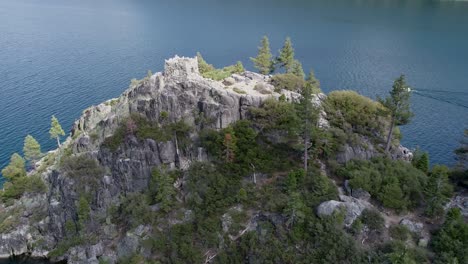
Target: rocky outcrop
[351,207]
[460,201]
[179,93]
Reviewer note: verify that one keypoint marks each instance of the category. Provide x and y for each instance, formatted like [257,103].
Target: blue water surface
[59,57]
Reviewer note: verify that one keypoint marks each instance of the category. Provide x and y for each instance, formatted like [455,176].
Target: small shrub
[82,167]
[210,72]
[399,232]
[239,91]
[287,81]
[372,219]
[260,87]
[353,112]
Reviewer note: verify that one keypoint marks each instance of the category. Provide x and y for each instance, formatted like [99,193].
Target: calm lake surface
[59,57]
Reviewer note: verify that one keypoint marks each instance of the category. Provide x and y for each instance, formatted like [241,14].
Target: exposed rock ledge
[181,93]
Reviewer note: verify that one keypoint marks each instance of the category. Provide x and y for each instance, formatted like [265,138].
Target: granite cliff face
[179,93]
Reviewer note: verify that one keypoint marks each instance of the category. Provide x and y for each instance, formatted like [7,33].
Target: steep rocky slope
[40,223]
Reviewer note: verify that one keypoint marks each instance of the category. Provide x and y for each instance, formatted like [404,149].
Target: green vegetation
[259,87]
[56,130]
[397,107]
[438,190]
[287,81]
[238,90]
[372,219]
[82,167]
[210,72]
[450,243]
[255,198]
[164,184]
[399,232]
[31,149]
[421,161]
[142,128]
[18,182]
[286,57]
[297,69]
[263,62]
[396,184]
[16,168]
[354,113]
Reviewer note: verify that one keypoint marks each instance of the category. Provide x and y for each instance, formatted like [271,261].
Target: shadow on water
[28,260]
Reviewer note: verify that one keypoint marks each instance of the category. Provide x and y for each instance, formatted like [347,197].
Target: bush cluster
[396,184]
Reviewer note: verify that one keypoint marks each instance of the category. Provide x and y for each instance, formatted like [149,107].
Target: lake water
[59,57]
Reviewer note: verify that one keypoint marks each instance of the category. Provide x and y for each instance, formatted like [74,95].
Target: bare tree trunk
[390,135]
[58,142]
[254,174]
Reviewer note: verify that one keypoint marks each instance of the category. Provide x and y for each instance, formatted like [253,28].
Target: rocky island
[182,168]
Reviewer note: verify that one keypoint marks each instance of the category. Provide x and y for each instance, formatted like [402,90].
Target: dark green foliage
[352,112]
[396,184]
[144,129]
[162,189]
[178,245]
[276,115]
[18,183]
[133,211]
[286,57]
[372,219]
[398,252]
[209,191]
[313,82]
[28,184]
[399,232]
[421,161]
[243,150]
[397,106]
[320,241]
[85,170]
[438,190]
[83,212]
[450,243]
[287,81]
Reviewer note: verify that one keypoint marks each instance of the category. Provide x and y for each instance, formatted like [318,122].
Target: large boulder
[351,207]
[413,226]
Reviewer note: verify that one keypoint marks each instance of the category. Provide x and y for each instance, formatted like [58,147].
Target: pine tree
[314,82]
[31,149]
[307,113]
[421,161]
[398,106]
[438,190]
[83,212]
[286,57]
[56,130]
[165,189]
[16,168]
[263,62]
[297,69]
